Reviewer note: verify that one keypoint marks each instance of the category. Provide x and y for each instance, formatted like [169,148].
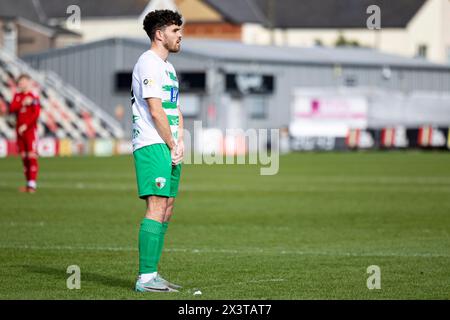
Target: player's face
[23,85]
[172,38]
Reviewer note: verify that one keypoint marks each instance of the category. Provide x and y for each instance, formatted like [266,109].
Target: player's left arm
[180,126]
[180,141]
[36,107]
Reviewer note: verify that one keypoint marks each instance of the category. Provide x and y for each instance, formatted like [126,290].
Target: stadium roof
[19,8]
[42,10]
[286,13]
[97,8]
[233,50]
[30,10]
[315,13]
[238,52]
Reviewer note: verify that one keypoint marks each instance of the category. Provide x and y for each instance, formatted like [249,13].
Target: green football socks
[150,245]
[161,238]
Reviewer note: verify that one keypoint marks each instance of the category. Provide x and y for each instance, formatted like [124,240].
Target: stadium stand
[65,114]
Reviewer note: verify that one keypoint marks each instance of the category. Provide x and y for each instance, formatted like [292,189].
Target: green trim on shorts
[155,174]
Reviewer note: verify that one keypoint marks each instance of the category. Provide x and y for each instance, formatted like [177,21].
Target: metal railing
[50,78]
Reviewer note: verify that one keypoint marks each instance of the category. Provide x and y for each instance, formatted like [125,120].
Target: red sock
[32,169]
[26,166]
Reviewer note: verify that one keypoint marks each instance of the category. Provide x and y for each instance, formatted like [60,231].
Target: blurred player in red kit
[25,104]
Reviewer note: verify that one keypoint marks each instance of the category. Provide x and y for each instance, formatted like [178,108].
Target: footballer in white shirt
[157,142]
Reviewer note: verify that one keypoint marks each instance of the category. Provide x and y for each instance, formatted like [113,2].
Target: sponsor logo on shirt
[174,95]
[148,82]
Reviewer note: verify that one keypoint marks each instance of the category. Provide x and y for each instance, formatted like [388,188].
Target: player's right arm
[159,118]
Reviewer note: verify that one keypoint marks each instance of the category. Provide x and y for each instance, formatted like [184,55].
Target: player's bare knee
[156,214]
[156,208]
[32,155]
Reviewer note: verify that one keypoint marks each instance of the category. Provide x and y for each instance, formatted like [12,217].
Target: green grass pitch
[309,232]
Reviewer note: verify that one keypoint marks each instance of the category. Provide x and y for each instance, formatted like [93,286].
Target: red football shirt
[26,114]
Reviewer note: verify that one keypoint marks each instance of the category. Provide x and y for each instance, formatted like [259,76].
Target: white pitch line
[210,188]
[68,248]
[250,251]
[296,178]
[22,224]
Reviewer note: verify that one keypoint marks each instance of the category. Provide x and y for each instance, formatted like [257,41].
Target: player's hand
[22,129]
[177,156]
[27,101]
[173,150]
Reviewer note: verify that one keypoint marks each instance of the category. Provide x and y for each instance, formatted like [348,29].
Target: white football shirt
[153,78]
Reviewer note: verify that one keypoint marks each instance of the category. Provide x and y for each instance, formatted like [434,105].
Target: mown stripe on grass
[236,188]
[253,251]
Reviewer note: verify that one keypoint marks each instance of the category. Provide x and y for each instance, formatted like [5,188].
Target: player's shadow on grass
[85,276]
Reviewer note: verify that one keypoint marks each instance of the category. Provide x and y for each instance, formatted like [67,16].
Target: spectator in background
[25,104]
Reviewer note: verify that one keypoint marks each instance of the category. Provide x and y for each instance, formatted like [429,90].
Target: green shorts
[154,171]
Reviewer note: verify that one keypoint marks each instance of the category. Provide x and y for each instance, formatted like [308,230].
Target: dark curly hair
[23,76]
[159,19]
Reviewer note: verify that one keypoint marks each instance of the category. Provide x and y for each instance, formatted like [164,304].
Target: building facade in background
[227,84]
[411,28]
[25,28]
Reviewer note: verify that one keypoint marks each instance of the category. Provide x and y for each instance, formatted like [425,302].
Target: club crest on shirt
[160,182]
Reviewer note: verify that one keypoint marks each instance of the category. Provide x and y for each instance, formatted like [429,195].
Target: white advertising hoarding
[325,114]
